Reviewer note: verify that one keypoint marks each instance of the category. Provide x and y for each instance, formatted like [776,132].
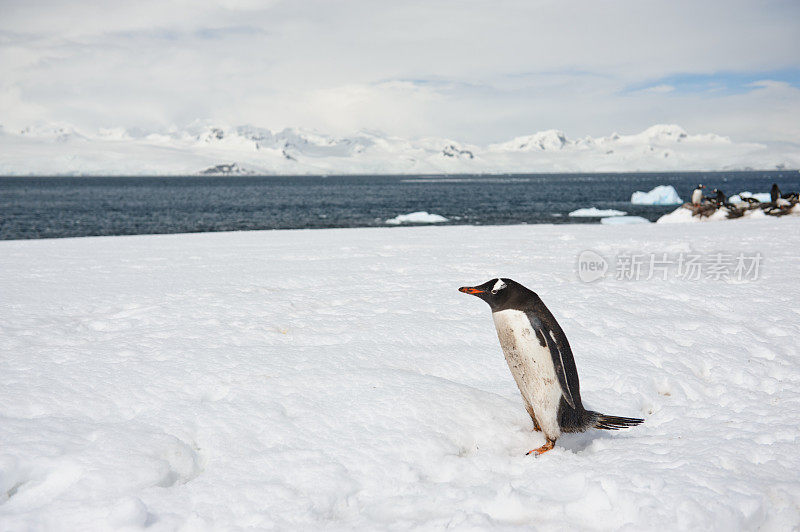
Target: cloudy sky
[473,71]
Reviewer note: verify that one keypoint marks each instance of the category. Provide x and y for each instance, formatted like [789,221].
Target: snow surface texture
[336,379]
[624,220]
[661,195]
[210,149]
[594,212]
[420,217]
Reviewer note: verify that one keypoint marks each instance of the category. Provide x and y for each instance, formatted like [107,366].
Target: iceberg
[763,197]
[594,212]
[661,195]
[420,217]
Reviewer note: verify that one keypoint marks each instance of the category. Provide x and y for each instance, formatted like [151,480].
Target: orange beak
[470,290]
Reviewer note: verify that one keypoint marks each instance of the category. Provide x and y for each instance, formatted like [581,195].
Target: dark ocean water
[47,207]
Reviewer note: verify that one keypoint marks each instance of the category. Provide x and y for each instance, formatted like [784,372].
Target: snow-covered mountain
[206,148]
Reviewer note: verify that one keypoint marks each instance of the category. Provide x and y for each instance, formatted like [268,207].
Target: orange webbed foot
[543,449]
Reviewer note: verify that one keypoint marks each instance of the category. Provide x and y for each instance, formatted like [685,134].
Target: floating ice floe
[661,195]
[624,220]
[594,212]
[420,217]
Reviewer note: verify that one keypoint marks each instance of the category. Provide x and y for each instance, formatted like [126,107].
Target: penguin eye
[494,291]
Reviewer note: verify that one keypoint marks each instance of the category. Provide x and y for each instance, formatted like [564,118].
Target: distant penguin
[776,197]
[735,210]
[540,359]
[753,202]
[697,195]
[719,198]
[774,193]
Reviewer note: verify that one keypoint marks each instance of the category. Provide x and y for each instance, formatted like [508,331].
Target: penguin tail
[615,422]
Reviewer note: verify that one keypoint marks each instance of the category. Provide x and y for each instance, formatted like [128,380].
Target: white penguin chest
[697,196]
[531,365]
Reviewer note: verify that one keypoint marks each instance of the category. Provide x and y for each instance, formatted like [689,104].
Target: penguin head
[701,186]
[496,292]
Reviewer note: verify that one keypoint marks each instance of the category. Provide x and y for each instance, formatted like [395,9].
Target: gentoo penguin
[753,202]
[720,200]
[774,193]
[697,195]
[540,359]
[777,198]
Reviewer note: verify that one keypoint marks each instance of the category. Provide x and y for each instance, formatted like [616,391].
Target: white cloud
[659,89]
[16,111]
[470,70]
[771,84]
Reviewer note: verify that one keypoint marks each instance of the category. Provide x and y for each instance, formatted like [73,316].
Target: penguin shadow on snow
[580,442]
[572,443]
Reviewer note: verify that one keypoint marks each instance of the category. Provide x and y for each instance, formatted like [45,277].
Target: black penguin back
[774,192]
[575,419]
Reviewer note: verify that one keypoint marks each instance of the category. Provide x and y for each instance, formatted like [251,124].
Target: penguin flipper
[559,351]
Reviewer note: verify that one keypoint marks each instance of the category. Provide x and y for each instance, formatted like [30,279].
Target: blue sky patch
[718,83]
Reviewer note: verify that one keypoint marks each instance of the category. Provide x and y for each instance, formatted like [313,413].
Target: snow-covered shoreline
[336,379]
[686,214]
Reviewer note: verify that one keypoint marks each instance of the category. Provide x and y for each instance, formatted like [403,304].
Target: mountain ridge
[62,149]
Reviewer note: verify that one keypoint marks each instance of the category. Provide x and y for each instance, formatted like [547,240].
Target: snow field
[336,379]
[624,220]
